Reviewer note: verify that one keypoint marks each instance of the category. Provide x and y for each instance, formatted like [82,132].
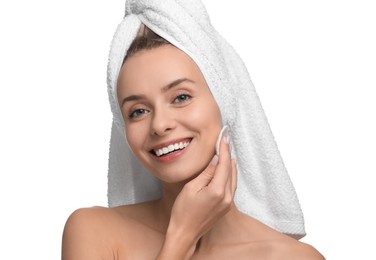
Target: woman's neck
[165,204]
[232,228]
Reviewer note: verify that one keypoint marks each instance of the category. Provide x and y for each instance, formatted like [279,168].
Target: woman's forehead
[161,65]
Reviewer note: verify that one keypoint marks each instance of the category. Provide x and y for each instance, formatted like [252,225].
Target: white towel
[264,191]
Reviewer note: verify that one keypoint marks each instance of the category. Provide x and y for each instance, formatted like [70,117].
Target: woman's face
[171,118]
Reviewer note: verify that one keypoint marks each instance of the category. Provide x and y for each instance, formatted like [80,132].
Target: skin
[196,217]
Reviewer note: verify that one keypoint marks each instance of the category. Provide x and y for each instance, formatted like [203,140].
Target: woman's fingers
[223,170]
[234,177]
[206,176]
[220,176]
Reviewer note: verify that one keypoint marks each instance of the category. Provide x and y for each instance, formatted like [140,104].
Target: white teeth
[171,148]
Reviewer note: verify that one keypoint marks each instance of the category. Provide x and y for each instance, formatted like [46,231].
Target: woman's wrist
[178,244]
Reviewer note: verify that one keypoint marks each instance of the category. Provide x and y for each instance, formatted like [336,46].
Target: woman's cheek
[192,115]
[134,137]
[204,114]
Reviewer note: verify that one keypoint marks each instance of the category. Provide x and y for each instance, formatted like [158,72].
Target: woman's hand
[200,204]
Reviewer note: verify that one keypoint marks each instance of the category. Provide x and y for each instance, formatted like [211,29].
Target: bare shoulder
[86,234]
[93,219]
[105,233]
[292,249]
[88,219]
[268,242]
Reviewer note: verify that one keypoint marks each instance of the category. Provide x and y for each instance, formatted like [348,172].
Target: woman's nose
[162,122]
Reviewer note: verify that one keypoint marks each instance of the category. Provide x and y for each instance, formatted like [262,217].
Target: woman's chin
[178,177]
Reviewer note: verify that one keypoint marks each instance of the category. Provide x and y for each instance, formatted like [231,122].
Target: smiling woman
[170,100]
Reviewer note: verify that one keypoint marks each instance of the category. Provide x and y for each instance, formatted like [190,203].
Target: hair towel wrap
[264,191]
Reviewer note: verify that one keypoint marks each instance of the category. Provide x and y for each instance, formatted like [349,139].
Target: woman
[170,97]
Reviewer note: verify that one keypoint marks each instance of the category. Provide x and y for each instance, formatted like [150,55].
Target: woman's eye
[182,98]
[137,112]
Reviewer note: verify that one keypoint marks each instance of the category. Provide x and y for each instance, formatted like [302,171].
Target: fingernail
[227,139]
[222,134]
[214,161]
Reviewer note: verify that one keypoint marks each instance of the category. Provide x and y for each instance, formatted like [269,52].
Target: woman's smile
[167,149]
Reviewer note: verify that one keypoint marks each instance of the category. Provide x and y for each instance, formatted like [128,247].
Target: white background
[313,64]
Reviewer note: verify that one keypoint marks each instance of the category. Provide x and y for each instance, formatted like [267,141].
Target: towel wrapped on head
[264,191]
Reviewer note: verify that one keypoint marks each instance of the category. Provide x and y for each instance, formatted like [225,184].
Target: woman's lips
[170,151]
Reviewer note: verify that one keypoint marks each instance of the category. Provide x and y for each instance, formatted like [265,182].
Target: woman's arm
[200,204]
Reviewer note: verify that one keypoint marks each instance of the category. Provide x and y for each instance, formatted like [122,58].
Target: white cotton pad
[223,131]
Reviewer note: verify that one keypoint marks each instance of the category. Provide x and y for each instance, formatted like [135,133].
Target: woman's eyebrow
[164,89]
[132,98]
[175,83]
